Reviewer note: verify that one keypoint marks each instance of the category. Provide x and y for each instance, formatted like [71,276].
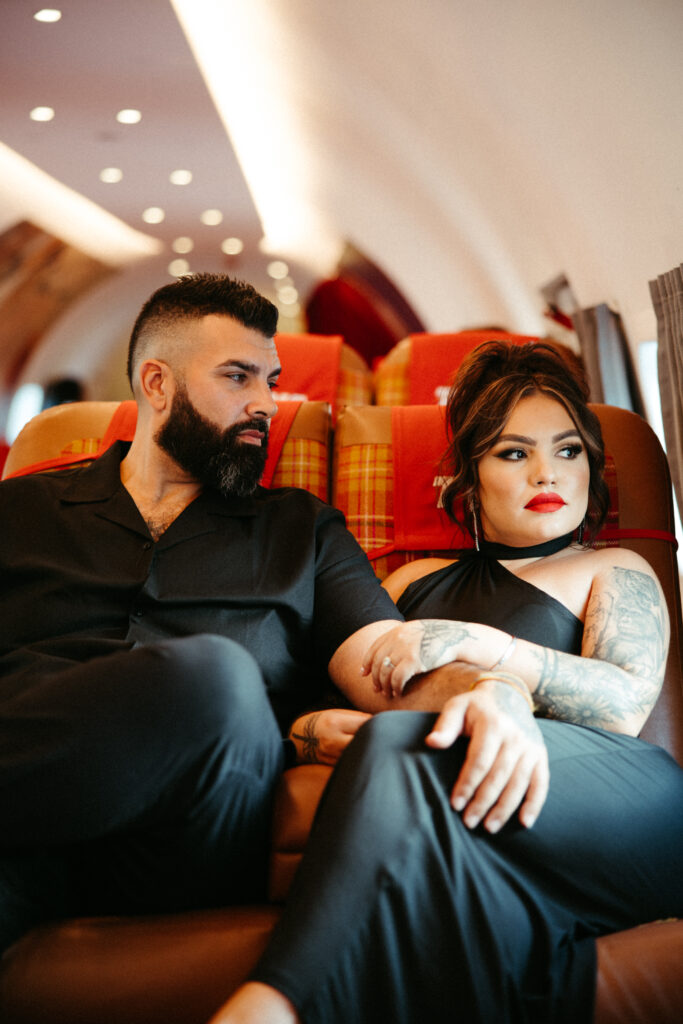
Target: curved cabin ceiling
[473,149]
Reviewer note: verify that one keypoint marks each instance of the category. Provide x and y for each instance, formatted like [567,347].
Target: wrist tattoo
[311,743]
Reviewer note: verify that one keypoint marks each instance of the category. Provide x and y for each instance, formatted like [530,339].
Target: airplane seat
[179,968]
[78,432]
[319,367]
[419,369]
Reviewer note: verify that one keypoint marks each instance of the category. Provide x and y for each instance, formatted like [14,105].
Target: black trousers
[138,782]
[400,913]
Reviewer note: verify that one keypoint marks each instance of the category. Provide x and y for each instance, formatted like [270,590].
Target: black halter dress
[477,588]
[400,913]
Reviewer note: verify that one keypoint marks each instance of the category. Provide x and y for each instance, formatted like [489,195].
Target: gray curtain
[667,299]
[607,358]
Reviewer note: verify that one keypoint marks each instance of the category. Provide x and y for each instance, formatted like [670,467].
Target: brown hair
[489,384]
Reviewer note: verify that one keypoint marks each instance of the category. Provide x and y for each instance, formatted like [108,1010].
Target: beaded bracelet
[506,653]
[507,677]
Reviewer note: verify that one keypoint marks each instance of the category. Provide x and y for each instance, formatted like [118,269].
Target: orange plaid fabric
[364,491]
[82,446]
[303,463]
[392,376]
[355,387]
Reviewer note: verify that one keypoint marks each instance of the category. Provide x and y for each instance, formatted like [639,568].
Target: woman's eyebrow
[522,439]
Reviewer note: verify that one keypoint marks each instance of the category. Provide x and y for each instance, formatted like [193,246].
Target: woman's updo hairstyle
[488,385]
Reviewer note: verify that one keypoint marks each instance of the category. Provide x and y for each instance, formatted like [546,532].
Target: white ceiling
[472,148]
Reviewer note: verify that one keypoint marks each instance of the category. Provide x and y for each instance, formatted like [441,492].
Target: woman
[404,910]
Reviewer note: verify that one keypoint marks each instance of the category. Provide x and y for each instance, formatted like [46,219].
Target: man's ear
[157,383]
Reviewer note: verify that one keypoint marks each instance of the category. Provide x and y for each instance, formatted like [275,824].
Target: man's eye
[273,385]
[238,377]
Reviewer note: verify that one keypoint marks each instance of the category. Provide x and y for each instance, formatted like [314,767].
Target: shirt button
[147,545]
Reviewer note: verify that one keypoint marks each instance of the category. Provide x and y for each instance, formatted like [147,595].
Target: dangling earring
[473,513]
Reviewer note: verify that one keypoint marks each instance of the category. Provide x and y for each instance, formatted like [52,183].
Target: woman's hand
[321,737]
[506,766]
[412,648]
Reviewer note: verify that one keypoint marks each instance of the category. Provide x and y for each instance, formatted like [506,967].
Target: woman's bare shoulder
[605,558]
[398,580]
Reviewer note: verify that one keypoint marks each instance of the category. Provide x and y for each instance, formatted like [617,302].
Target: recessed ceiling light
[182,244]
[180,177]
[129,116]
[47,14]
[111,175]
[288,295]
[153,215]
[42,114]
[277,269]
[290,311]
[232,246]
[211,217]
[177,268]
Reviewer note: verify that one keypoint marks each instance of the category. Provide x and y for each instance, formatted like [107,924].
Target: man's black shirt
[81,578]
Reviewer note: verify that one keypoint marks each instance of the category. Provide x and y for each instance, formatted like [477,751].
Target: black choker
[503,552]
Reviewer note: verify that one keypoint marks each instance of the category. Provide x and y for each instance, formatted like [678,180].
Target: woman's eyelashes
[570,451]
[516,454]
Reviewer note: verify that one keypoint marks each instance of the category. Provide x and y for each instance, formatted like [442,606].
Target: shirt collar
[101,482]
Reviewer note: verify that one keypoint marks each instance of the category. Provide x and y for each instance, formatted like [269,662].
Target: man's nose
[262,403]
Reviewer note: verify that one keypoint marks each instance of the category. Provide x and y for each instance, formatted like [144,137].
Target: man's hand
[321,737]
[506,766]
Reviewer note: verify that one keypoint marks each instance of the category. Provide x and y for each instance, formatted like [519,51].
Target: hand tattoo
[311,742]
[438,636]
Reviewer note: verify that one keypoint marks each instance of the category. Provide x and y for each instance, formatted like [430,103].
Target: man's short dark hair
[199,295]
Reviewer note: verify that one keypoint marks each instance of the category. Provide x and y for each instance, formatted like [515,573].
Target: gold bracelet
[506,653]
[512,680]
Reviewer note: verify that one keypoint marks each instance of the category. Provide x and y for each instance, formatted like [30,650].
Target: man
[165,620]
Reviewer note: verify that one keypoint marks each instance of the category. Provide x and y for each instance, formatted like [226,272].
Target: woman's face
[533,482]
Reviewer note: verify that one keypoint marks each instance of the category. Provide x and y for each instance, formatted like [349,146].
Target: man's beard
[214,457]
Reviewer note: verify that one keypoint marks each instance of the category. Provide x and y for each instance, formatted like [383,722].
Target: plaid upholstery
[355,386]
[303,460]
[82,446]
[392,383]
[363,486]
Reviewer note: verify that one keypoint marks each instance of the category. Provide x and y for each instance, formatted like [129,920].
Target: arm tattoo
[625,647]
[438,636]
[310,740]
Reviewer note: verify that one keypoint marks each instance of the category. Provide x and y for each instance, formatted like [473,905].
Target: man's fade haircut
[490,382]
[198,295]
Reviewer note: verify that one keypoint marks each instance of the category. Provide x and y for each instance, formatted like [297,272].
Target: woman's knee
[394,732]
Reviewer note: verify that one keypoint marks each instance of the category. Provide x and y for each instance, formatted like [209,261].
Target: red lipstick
[546,502]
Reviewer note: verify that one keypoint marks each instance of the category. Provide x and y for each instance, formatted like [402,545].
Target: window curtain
[667,299]
[607,359]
